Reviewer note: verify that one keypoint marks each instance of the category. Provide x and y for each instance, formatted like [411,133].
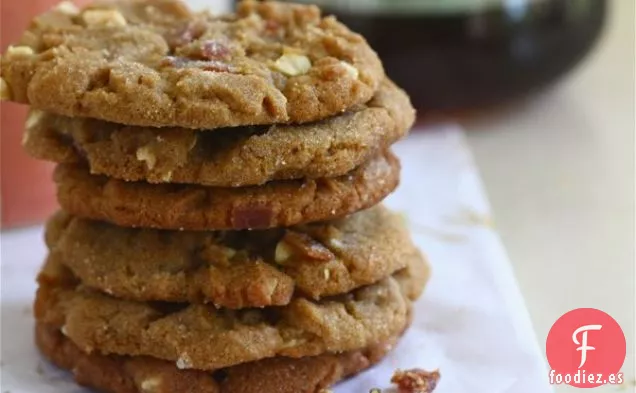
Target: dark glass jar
[455,55]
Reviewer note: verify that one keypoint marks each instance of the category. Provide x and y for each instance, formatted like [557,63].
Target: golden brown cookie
[203,337]
[156,63]
[124,374]
[234,269]
[224,157]
[191,207]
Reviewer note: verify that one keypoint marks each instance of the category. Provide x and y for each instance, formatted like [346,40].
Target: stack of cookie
[218,176]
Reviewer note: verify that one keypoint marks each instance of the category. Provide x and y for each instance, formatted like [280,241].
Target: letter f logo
[583,344]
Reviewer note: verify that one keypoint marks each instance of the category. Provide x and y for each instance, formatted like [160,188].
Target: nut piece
[144,154]
[151,385]
[282,253]
[166,177]
[5,91]
[184,362]
[33,118]
[19,51]
[67,8]
[416,380]
[104,18]
[301,245]
[351,70]
[292,64]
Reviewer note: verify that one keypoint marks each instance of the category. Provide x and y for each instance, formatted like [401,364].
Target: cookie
[156,63]
[202,337]
[192,207]
[123,374]
[227,157]
[234,269]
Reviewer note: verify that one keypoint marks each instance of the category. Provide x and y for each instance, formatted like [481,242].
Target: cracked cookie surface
[202,337]
[191,207]
[234,269]
[156,63]
[224,157]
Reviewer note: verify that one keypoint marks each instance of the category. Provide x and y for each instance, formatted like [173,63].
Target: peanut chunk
[14,52]
[292,64]
[151,385]
[351,70]
[67,8]
[5,91]
[144,154]
[104,18]
[33,118]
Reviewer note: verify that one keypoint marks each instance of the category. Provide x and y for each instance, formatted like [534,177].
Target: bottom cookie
[123,374]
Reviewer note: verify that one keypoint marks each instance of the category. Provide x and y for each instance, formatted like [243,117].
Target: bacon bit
[272,27]
[248,217]
[416,380]
[307,246]
[214,50]
[185,35]
[173,61]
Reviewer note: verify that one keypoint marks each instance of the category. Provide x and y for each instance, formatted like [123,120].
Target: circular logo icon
[586,348]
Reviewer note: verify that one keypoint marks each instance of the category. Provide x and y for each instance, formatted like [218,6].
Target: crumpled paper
[471,323]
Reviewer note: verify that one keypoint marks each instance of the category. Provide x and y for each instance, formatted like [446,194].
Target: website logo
[586,348]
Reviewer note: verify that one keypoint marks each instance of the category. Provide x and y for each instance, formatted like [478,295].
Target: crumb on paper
[436,233]
[39,369]
[470,217]
[416,380]
[426,230]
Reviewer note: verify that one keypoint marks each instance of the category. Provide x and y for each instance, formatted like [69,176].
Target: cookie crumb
[375,390]
[416,380]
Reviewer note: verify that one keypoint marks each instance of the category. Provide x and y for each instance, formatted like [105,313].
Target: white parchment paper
[471,323]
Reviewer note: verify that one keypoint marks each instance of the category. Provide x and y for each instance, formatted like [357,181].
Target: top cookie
[156,63]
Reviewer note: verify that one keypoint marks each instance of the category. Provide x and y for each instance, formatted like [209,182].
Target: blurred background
[545,92]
